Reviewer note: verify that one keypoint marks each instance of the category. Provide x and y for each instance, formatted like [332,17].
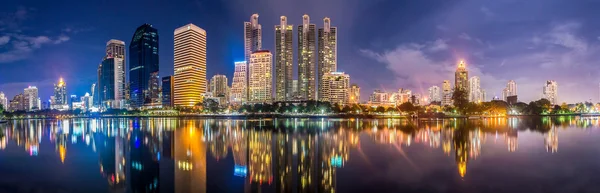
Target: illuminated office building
[551,91]
[143,66]
[475,94]
[461,77]
[239,84]
[190,65]
[335,88]
[283,60]
[220,88]
[434,94]
[260,77]
[18,103]
[354,94]
[306,60]
[3,100]
[327,53]
[111,76]
[32,101]
[252,43]
[60,101]
[446,93]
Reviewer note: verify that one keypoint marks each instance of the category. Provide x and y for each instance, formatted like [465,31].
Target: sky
[382,44]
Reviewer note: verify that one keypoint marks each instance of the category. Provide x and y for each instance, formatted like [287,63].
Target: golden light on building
[189,81]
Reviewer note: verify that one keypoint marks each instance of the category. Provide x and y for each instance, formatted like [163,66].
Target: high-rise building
[461,77]
[220,88]
[381,98]
[111,76]
[252,43]
[31,98]
[354,94]
[143,66]
[403,96]
[327,52]
[167,91]
[190,65]
[4,101]
[446,93]
[306,60]
[60,96]
[284,65]
[335,88]
[550,91]
[87,101]
[434,94]
[512,88]
[239,84]
[260,77]
[475,89]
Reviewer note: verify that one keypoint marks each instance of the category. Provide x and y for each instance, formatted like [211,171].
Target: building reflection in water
[285,155]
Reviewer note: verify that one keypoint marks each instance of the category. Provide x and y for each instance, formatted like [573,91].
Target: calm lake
[558,154]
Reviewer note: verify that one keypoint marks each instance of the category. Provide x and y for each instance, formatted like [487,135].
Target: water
[300,155]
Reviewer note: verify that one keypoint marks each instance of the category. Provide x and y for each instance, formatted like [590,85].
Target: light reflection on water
[297,155]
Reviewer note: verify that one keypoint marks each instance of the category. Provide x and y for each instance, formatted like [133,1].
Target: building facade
[252,43]
[284,64]
[239,84]
[32,101]
[446,93]
[550,91]
[475,94]
[190,65]
[18,103]
[327,52]
[4,101]
[220,88]
[354,94]
[167,91]
[335,88]
[143,66]
[306,60]
[461,77]
[260,77]
[60,101]
[434,94]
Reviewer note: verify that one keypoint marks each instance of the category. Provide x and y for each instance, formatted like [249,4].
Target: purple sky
[383,44]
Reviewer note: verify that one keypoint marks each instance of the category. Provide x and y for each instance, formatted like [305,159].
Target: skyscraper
[306,60]
[260,77]
[283,60]
[434,94]
[446,93]
[239,84]
[475,89]
[18,103]
[512,88]
[111,76]
[31,98]
[143,66]
[335,88]
[461,77]
[327,52]
[60,93]
[354,94]
[252,43]
[550,91]
[220,88]
[190,65]
[167,91]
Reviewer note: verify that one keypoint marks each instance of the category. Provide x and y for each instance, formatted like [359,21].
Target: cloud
[486,11]
[21,46]
[465,36]
[4,40]
[61,39]
[13,20]
[438,45]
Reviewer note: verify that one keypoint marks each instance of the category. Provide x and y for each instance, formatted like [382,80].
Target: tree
[407,107]
[1,109]
[380,109]
[210,105]
[347,109]
[461,100]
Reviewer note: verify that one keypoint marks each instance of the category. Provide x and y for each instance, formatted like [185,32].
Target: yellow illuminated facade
[190,65]
[461,77]
[261,82]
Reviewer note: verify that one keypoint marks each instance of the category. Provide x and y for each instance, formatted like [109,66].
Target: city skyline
[363,60]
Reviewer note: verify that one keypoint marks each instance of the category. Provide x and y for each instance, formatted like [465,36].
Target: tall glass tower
[143,66]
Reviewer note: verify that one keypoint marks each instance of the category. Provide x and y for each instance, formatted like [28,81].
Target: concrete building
[189,82]
[461,77]
[284,61]
[327,52]
[354,93]
[434,94]
[167,91]
[18,103]
[220,88]
[335,88]
[550,91]
[306,60]
[261,82]
[252,42]
[32,101]
[4,101]
[475,94]
[239,89]
[60,100]
[446,93]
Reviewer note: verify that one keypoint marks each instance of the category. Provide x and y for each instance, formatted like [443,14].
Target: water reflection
[280,155]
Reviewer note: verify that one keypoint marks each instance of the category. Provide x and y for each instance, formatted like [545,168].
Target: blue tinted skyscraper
[167,91]
[143,66]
